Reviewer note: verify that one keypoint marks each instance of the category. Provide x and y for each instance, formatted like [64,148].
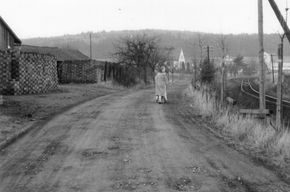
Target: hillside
[103,42]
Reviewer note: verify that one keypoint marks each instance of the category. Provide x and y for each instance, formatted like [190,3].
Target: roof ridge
[9,29]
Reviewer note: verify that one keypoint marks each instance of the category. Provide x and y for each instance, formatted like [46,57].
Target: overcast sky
[42,18]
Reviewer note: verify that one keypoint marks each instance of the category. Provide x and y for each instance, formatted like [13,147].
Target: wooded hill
[103,42]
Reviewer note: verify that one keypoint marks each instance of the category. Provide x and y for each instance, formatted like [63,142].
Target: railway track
[248,89]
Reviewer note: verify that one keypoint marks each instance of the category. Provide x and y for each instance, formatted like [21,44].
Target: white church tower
[181,60]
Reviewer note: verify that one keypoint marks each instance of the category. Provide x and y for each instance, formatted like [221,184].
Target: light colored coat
[161,82]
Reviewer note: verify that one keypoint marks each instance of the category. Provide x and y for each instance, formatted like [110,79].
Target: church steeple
[181,60]
[181,57]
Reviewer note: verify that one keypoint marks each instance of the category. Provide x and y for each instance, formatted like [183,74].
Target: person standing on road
[161,82]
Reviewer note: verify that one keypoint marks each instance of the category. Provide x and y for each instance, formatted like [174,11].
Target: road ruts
[127,142]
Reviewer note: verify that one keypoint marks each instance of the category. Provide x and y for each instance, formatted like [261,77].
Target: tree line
[102,42]
[142,55]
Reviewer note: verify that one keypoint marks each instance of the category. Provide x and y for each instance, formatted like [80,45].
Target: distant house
[8,39]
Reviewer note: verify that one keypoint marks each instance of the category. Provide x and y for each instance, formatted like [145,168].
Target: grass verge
[259,138]
[19,113]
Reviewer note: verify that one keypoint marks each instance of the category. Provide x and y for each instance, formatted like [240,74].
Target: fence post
[105,72]
[1,100]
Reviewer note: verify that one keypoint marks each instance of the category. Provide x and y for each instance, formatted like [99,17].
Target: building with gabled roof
[72,65]
[59,53]
[8,38]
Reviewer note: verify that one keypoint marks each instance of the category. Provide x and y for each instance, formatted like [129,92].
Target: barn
[23,72]
[8,39]
[72,65]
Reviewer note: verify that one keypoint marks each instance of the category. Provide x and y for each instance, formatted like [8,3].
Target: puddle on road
[114,138]
[94,154]
[114,147]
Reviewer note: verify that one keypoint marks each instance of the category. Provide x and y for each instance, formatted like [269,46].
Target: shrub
[207,73]
[246,130]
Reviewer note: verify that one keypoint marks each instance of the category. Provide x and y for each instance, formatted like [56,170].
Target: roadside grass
[19,112]
[260,137]
[111,85]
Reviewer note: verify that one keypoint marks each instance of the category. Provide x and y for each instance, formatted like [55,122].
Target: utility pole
[272,61]
[261,59]
[223,47]
[223,81]
[195,73]
[208,59]
[91,46]
[280,18]
[279,87]
[286,33]
[279,107]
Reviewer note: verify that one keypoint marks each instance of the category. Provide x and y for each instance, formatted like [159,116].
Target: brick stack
[5,60]
[37,73]
[79,71]
[27,73]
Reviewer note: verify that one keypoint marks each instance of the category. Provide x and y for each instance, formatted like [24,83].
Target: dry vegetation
[260,138]
[19,113]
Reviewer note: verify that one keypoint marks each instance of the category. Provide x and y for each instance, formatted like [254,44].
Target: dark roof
[109,60]
[17,40]
[60,54]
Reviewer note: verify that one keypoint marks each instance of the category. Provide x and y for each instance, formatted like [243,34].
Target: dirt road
[126,142]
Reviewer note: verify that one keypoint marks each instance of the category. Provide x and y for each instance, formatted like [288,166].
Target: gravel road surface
[127,142]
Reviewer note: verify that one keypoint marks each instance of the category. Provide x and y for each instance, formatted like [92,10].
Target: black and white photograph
[144,96]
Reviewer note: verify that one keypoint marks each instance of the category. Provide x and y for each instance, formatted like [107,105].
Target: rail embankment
[253,136]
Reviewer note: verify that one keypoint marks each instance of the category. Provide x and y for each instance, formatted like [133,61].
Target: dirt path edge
[40,123]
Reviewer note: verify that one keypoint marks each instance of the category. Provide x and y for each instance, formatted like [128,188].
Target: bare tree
[140,52]
[222,45]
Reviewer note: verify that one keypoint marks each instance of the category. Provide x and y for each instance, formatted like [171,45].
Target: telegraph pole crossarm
[280,19]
